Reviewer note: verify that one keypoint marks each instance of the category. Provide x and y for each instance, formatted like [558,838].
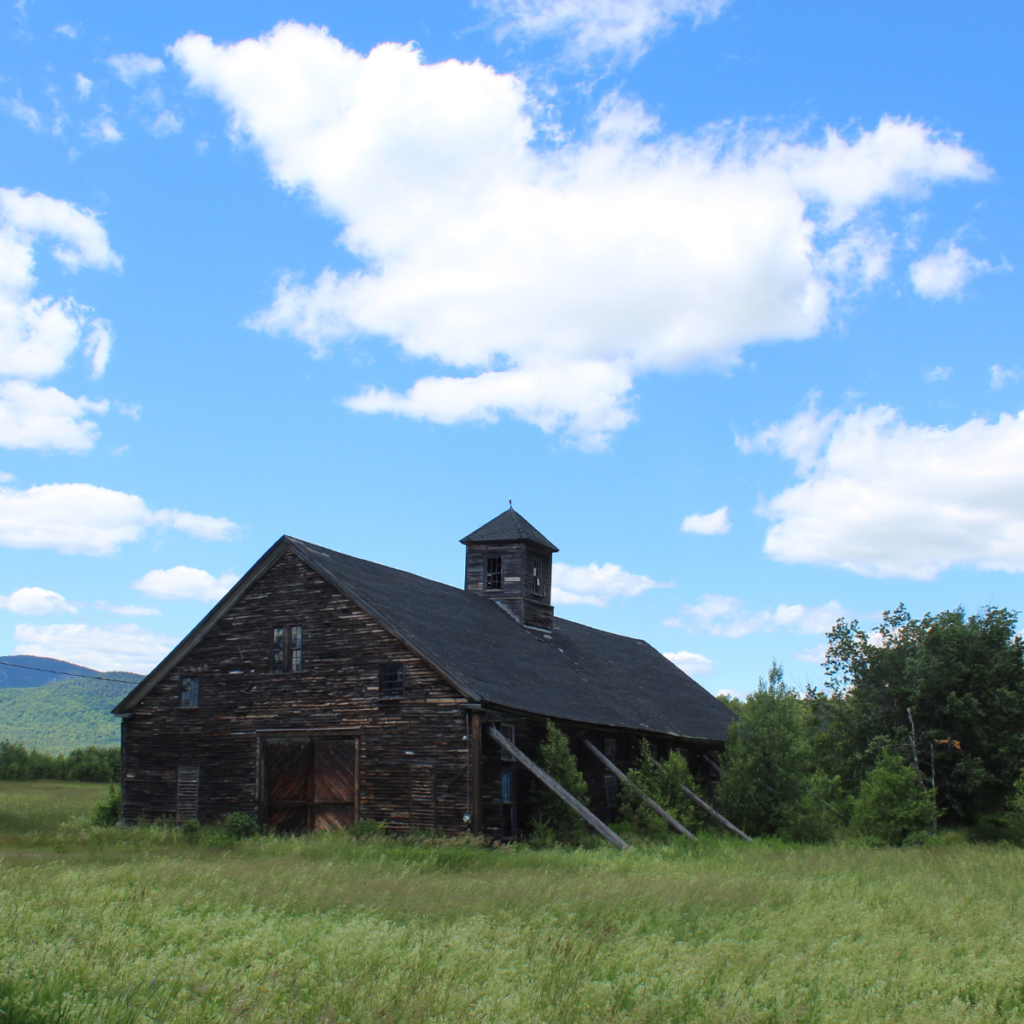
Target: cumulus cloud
[695,665]
[713,523]
[126,648]
[67,30]
[592,28]
[36,601]
[39,333]
[130,67]
[998,376]
[82,519]
[551,276]
[944,273]
[184,582]
[24,113]
[933,376]
[83,86]
[596,584]
[883,498]
[102,128]
[45,418]
[813,655]
[721,615]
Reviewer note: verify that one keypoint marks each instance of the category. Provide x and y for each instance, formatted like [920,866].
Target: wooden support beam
[629,782]
[588,816]
[724,822]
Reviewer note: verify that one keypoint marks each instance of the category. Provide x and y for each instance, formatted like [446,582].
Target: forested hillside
[63,715]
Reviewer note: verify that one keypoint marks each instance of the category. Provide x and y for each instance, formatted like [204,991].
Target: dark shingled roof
[510,526]
[577,673]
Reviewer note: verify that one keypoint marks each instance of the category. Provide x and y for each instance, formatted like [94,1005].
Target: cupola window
[494,573]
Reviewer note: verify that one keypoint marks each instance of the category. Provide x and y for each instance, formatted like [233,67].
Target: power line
[74,675]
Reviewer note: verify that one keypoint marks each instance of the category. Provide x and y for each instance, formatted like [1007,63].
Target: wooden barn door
[309,783]
[422,797]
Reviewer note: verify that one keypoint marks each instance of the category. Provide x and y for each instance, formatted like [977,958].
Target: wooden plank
[724,822]
[682,830]
[591,819]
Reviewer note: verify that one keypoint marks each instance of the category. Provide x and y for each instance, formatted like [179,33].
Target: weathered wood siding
[401,742]
[517,594]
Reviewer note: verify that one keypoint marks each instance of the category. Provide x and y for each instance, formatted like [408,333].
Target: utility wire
[74,675]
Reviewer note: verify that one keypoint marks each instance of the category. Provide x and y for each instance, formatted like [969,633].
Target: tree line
[918,727]
[86,764]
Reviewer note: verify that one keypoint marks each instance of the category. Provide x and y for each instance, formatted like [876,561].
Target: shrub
[891,807]
[366,829]
[107,813]
[554,821]
[662,783]
[239,825]
[820,813]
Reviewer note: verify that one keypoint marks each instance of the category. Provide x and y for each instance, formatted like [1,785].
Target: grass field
[137,925]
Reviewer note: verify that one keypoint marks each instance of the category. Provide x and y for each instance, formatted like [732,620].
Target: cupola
[509,562]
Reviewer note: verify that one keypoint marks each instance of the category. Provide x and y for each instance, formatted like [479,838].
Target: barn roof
[509,527]
[577,673]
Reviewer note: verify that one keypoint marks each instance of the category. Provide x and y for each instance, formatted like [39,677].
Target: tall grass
[328,928]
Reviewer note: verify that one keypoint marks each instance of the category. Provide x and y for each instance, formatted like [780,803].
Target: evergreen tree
[662,783]
[553,820]
[766,765]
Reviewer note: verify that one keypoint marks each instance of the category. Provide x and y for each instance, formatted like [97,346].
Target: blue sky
[721,295]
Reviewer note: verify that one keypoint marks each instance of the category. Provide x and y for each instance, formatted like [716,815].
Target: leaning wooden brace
[588,816]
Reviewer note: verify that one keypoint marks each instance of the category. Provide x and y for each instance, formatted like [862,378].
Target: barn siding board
[240,700]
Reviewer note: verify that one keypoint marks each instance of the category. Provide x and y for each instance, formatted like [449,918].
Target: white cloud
[67,30]
[998,376]
[23,112]
[557,273]
[132,610]
[695,665]
[83,86]
[596,584]
[82,519]
[938,373]
[721,615]
[125,648]
[944,273]
[181,581]
[883,498]
[130,67]
[165,123]
[713,523]
[41,418]
[36,601]
[813,655]
[623,28]
[102,128]
[39,333]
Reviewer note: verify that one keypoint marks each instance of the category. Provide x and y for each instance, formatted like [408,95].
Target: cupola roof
[509,527]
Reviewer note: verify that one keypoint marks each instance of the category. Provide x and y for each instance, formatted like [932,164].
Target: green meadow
[150,924]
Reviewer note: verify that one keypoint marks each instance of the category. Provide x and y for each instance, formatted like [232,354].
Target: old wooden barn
[324,689]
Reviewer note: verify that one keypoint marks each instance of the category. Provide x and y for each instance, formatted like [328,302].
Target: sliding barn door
[309,783]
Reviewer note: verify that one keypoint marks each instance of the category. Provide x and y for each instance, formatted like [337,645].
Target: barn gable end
[242,705]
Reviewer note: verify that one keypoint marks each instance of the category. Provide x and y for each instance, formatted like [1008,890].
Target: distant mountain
[24,670]
[63,714]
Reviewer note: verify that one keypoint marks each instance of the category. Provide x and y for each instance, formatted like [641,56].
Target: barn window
[509,732]
[494,573]
[609,747]
[391,680]
[538,585]
[190,692]
[286,649]
[188,793]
